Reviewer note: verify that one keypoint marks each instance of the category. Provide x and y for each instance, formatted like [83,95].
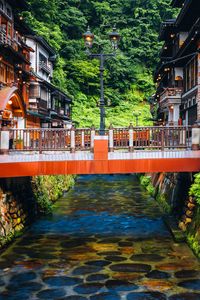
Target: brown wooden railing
[132,138]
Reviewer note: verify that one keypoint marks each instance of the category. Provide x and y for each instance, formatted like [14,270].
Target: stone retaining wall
[17,206]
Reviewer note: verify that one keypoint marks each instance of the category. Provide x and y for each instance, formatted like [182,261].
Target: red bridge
[30,152]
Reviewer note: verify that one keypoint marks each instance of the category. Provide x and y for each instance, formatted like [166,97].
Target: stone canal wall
[22,199]
[179,195]
[17,207]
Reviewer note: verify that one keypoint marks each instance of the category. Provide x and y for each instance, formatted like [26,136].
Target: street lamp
[136,115]
[114,37]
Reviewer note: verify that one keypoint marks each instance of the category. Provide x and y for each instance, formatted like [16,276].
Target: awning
[36,114]
[11,93]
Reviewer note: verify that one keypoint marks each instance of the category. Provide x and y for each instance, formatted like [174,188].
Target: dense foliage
[195,188]
[128,76]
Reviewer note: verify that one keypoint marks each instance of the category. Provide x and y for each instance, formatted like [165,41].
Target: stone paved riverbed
[105,241]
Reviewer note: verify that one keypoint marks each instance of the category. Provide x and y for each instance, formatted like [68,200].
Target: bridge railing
[129,138]
[149,138]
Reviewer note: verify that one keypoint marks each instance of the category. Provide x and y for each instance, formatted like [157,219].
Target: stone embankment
[179,197]
[23,198]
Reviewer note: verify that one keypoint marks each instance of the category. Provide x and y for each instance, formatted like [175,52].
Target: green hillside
[128,76]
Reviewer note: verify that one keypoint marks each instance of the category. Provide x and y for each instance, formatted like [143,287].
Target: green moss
[195,188]
[48,189]
[145,181]
[162,200]
[194,243]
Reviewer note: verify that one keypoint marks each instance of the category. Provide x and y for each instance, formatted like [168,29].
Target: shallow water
[105,241]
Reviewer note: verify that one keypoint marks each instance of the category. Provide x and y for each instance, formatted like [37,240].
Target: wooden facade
[27,96]
[177,75]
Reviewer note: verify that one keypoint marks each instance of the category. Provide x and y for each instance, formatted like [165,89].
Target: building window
[10,74]
[34,91]
[191,74]
[9,30]
[2,73]
[42,58]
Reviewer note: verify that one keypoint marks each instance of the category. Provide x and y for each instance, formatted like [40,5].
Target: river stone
[105,253]
[155,274]
[115,258]
[137,268]
[2,282]
[193,284]
[62,281]
[105,296]
[15,295]
[97,277]
[88,288]
[120,285]
[23,277]
[146,296]
[72,244]
[75,297]
[51,294]
[25,287]
[98,263]
[185,296]
[86,270]
[147,257]
[187,273]
[125,244]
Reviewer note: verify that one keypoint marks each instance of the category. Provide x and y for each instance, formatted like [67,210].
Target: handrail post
[82,139]
[162,139]
[4,140]
[111,140]
[131,137]
[40,141]
[195,137]
[92,135]
[72,140]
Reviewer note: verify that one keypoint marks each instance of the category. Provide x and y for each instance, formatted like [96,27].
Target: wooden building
[27,96]
[48,106]
[14,66]
[178,73]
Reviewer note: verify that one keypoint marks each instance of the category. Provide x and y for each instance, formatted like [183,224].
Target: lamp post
[136,118]
[88,39]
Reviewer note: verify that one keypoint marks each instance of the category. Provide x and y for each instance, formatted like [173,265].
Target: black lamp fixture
[114,37]
[88,37]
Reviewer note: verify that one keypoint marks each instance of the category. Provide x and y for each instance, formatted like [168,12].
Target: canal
[105,241]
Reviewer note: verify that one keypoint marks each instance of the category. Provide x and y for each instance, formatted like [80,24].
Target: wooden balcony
[4,39]
[43,66]
[171,96]
[39,106]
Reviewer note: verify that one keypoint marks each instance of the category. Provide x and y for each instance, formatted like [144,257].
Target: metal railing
[82,139]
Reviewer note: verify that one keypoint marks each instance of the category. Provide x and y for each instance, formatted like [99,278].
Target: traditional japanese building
[177,75]
[27,96]
[14,66]
[48,106]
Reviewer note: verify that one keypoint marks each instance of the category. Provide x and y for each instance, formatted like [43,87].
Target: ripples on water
[105,241]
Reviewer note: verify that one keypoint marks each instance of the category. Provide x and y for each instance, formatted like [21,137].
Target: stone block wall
[17,206]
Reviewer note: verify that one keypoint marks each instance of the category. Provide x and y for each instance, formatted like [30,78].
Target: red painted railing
[132,138]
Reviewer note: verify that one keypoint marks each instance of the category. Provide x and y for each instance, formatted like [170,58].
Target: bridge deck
[26,164]
[86,155]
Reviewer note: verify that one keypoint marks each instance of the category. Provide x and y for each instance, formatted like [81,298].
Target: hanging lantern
[88,37]
[114,38]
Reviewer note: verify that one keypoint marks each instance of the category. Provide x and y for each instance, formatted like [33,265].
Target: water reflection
[106,240]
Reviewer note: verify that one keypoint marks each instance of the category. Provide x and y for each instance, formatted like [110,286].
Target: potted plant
[19,144]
